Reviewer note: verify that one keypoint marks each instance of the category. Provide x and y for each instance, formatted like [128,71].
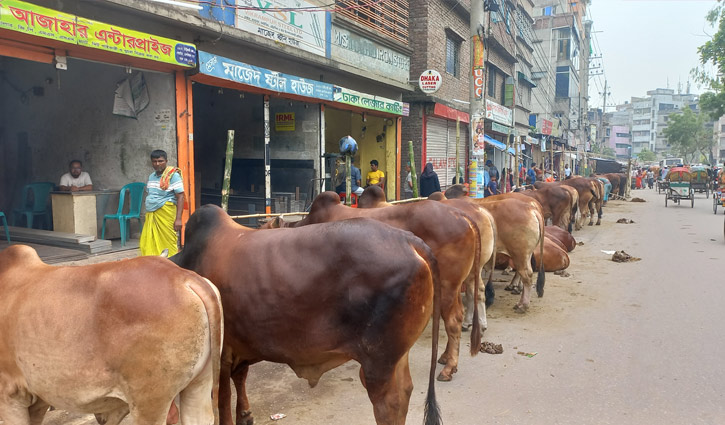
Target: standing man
[375,176]
[492,170]
[75,179]
[164,206]
[355,177]
[567,172]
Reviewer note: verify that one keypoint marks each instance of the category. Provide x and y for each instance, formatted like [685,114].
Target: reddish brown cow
[589,197]
[614,179]
[373,197]
[114,339]
[566,238]
[557,204]
[555,256]
[519,229]
[300,297]
[452,235]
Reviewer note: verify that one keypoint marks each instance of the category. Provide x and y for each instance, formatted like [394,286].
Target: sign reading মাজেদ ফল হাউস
[429,81]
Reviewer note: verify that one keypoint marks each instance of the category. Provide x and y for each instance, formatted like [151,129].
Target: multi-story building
[720,141]
[562,73]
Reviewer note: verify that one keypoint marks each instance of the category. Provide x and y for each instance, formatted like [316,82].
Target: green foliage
[687,134]
[647,155]
[713,53]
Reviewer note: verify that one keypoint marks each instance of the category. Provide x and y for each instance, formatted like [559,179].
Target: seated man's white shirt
[83,180]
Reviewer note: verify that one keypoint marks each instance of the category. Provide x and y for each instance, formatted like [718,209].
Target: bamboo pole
[458,142]
[227,169]
[348,181]
[413,176]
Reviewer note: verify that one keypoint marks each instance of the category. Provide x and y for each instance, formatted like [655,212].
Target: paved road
[633,343]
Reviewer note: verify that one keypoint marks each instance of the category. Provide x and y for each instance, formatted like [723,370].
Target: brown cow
[316,297]
[110,339]
[590,194]
[519,229]
[614,179]
[374,198]
[557,202]
[555,256]
[566,238]
[453,236]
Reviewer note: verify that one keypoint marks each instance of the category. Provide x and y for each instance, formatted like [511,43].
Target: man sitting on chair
[355,177]
[75,179]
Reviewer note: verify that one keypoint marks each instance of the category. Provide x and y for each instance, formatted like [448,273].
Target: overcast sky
[644,43]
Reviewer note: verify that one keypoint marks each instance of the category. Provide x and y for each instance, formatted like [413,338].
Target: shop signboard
[500,128]
[546,127]
[38,21]
[499,113]
[363,53]
[369,101]
[430,81]
[228,69]
[294,23]
[284,121]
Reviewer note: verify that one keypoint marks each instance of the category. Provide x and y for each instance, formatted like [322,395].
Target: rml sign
[478,83]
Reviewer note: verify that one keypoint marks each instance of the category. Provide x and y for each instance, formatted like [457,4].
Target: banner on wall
[27,18]
[284,121]
[369,101]
[228,69]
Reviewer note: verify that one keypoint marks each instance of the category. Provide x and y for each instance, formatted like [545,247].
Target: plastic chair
[135,191]
[41,192]
[353,199]
[5,224]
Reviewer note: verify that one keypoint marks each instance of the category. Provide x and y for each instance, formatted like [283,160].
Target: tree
[687,134]
[647,155]
[713,53]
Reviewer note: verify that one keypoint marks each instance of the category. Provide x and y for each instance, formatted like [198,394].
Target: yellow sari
[158,231]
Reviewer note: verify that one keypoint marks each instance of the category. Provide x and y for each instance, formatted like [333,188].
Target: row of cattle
[126,338]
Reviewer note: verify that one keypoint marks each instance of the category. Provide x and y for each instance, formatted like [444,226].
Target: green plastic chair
[41,192]
[135,191]
[5,224]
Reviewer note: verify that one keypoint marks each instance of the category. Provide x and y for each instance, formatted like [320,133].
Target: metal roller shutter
[462,152]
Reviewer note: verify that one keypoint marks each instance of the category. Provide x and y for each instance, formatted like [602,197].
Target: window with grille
[389,17]
[453,48]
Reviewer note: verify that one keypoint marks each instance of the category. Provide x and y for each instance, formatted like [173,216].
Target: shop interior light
[179,3]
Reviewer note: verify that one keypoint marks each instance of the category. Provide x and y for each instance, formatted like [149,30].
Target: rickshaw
[700,180]
[718,192]
[679,186]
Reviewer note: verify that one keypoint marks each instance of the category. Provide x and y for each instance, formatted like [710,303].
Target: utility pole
[601,117]
[477,84]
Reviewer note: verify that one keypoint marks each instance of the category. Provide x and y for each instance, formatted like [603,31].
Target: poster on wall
[132,96]
[284,121]
[478,145]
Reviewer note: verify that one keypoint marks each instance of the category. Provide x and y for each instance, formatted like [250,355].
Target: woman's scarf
[428,170]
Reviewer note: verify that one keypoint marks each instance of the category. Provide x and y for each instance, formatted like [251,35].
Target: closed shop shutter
[441,148]
[462,152]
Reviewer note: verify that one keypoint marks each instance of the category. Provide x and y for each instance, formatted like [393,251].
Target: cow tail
[432,412]
[490,292]
[210,297]
[541,278]
[574,210]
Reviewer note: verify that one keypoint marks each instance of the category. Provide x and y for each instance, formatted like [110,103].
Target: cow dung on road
[637,200]
[623,257]
[625,221]
[491,348]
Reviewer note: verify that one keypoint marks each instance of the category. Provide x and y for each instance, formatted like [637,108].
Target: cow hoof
[599,224]
[465,328]
[444,378]
[443,360]
[245,418]
[515,291]
[508,288]
[591,224]
[520,309]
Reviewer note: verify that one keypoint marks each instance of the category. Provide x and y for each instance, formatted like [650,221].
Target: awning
[498,145]
[527,80]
